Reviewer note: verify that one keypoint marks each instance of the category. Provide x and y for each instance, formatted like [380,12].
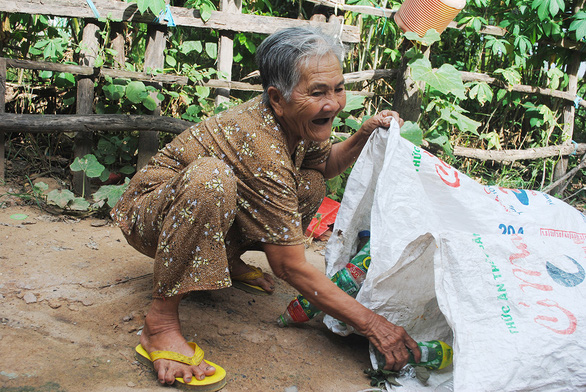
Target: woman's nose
[332,103]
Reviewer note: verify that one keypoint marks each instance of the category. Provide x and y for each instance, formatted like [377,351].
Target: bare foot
[162,331]
[266,282]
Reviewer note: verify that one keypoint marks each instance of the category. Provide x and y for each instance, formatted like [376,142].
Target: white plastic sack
[500,269]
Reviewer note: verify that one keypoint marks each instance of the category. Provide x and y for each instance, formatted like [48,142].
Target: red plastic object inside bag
[325,216]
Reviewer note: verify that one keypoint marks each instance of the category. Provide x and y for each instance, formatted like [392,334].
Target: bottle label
[296,311]
[356,272]
[310,310]
[344,280]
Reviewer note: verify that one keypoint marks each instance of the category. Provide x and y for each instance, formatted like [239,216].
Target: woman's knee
[210,176]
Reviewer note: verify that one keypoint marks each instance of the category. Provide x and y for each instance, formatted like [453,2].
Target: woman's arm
[345,153]
[289,264]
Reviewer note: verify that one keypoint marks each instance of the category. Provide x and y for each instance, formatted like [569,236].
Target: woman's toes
[198,373]
[187,376]
[209,369]
[161,374]
[170,378]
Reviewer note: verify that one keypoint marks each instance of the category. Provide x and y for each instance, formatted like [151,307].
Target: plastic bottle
[435,355]
[349,279]
[363,238]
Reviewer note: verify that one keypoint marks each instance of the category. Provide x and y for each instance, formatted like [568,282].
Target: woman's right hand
[392,341]
[289,264]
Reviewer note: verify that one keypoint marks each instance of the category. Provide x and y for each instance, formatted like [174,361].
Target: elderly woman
[251,177]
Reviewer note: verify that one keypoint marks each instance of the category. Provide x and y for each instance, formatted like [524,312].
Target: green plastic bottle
[349,279]
[435,355]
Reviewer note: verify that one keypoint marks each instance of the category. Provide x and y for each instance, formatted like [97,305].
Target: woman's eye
[317,93]
[340,89]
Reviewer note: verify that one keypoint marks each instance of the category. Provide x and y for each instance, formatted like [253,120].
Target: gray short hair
[281,55]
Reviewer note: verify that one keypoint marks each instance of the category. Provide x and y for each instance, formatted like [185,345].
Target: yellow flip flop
[212,383]
[237,281]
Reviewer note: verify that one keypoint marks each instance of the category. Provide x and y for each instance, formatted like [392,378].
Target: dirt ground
[73,295]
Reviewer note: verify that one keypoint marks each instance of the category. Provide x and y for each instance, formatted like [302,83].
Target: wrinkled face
[315,102]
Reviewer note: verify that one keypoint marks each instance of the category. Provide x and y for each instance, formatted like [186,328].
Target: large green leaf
[446,79]
[110,193]
[465,123]
[191,46]
[60,198]
[428,39]
[579,25]
[353,101]
[114,92]
[79,204]
[64,79]
[154,6]
[511,75]
[149,103]
[212,49]
[89,165]
[482,92]
[411,131]
[545,8]
[136,91]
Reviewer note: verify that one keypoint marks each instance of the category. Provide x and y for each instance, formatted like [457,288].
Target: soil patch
[72,299]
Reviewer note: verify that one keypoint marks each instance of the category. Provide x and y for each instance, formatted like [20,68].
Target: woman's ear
[276,100]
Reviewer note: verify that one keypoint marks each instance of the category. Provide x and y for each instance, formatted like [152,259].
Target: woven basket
[419,16]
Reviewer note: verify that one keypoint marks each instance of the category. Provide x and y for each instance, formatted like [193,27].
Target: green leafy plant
[578,25]
[153,6]
[105,195]
[443,91]
[117,154]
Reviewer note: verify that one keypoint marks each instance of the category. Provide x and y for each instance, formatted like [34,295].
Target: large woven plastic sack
[416,201]
[516,305]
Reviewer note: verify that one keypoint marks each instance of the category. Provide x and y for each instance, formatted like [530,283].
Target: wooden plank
[373,74]
[122,11]
[2,109]
[226,50]
[85,100]
[352,77]
[118,44]
[148,143]
[55,67]
[47,123]
[516,155]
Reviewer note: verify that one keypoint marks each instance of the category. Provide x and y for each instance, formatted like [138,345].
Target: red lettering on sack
[542,287]
[450,178]
[573,322]
[516,239]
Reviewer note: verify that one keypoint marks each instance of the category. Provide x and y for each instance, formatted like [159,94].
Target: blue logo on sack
[521,195]
[564,278]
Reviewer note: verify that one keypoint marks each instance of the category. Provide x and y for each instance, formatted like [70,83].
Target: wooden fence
[228,20]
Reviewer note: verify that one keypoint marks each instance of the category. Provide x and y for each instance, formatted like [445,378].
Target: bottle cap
[364,233]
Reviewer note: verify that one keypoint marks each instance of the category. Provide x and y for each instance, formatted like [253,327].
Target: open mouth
[321,121]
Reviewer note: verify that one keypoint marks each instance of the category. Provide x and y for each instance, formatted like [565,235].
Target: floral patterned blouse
[253,144]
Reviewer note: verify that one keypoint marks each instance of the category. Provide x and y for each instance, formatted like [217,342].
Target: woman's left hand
[382,119]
